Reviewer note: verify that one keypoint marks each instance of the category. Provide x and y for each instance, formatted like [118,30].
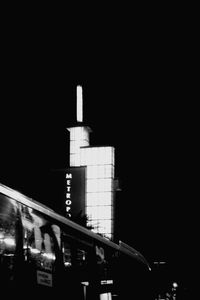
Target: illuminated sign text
[68,201]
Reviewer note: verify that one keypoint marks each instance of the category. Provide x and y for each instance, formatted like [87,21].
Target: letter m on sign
[69,175]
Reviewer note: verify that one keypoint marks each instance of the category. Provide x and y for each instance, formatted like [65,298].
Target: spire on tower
[79,104]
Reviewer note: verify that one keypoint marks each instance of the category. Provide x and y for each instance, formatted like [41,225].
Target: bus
[44,254]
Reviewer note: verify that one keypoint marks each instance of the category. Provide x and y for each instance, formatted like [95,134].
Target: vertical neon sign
[68,201]
[79,104]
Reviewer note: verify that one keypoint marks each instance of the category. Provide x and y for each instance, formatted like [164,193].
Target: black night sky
[137,98]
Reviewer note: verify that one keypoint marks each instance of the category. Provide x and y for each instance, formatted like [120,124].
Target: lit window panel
[105,198]
[72,137]
[106,155]
[100,171]
[85,156]
[104,212]
[92,172]
[83,153]
[99,185]
[92,212]
[72,160]
[105,184]
[108,171]
[75,133]
[79,134]
[88,156]
[75,160]
[92,199]
[89,211]
[92,185]
[101,156]
[98,155]
[102,230]
[99,199]
[93,223]
[74,147]
[105,226]
[113,156]
[93,156]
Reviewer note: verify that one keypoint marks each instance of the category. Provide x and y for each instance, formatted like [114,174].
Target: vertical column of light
[79,135]
[99,188]
[79,104]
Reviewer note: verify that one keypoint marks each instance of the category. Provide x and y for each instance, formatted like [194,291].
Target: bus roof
[122,247]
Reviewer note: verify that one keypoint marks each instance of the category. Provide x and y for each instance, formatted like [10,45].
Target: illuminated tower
[99,163]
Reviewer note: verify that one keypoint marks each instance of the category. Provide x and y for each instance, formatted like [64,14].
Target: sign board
[44,278]
[75,191]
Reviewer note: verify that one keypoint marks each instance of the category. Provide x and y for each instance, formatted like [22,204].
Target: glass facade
[79,137]
[99,187]
[99,183]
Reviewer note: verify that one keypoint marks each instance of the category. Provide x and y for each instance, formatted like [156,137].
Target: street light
[174,287]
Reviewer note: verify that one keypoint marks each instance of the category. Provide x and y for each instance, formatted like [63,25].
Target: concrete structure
[99,164]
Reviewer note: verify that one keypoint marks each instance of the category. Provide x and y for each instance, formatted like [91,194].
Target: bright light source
[9,241]
[79,104]
[105,296]
[34,250]
[175,285]
[99,186]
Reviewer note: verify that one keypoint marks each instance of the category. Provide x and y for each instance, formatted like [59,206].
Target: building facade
[99,165]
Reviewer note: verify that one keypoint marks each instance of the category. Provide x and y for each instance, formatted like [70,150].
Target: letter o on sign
[68,202]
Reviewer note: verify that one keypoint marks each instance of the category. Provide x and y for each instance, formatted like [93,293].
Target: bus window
[41,246]
[77,271]
[75,255]
[104,262]
[8,240]
[67,254]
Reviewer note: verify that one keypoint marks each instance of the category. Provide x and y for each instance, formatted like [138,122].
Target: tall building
[98,163]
